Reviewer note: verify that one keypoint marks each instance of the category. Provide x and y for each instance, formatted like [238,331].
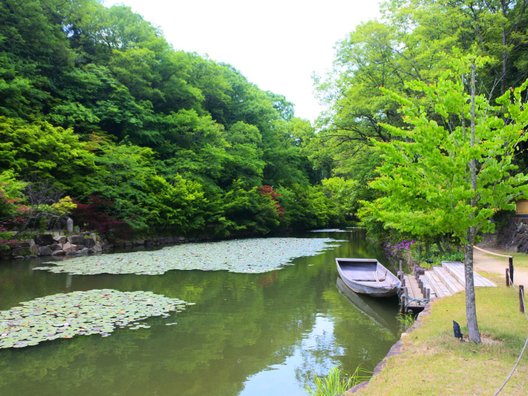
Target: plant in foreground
[405,320]
[337,382]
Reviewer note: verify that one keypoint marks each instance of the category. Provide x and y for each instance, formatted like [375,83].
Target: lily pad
[80,313]
[241,256]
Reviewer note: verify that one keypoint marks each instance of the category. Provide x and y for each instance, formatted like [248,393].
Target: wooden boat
[367,276]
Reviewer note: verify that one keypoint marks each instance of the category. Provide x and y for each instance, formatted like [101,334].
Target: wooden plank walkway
[457,269]
[438,282]
[416,302]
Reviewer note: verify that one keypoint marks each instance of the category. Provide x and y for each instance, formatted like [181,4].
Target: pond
[246,334]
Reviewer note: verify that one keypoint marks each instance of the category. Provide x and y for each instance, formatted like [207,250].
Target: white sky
[276,44]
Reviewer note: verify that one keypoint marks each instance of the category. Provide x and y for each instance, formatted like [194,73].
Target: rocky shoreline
[79,244]
[51,245]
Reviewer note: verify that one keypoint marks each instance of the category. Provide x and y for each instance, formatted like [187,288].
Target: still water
[248,334]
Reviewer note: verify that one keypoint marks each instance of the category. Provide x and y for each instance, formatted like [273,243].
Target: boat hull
[367,276]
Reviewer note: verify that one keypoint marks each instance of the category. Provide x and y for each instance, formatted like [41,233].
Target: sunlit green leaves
[425,177]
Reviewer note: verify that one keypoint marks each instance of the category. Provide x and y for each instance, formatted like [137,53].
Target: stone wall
[514,235]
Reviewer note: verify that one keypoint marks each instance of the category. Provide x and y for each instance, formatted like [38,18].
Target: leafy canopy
[425,182]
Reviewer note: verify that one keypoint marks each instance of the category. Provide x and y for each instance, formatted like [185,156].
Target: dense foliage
[96,105]
[413,45]
[425,115]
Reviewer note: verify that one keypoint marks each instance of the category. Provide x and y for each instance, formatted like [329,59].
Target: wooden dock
[439,281]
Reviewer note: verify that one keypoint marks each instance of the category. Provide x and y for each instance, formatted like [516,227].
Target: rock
[33,248]
[70,248]
[44,251]
[76,239]
[61,239]
[44,239]
[58,253]
[89,242]
[55,246]
[81,240]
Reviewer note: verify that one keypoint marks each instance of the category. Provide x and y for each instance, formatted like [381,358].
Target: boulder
[70,248]
[44,239]
[61,239]
[81,240]
[76,239]
[44,251]
[33,248]
[55,246]
[89,242]
[58,253]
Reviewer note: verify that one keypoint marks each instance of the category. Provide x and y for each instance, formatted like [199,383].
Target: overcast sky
[276,44]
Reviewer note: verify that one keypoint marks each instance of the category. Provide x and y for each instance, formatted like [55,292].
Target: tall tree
[451,168]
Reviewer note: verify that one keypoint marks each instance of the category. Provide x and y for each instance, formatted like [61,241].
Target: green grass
[520,259]
[433,362]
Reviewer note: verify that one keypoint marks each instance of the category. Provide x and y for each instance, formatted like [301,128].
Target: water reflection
[248,334]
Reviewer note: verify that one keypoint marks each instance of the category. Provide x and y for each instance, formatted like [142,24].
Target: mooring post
[521,298]
[507,277]
[510,261]
[403,303]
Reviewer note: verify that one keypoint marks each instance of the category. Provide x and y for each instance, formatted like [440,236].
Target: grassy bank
[520,259]
[433,362]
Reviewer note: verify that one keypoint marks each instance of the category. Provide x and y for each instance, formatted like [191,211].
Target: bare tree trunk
[471,309]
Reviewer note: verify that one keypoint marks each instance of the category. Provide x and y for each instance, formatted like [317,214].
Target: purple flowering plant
[399,250]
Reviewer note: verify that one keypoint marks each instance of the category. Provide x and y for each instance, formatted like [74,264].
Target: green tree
[244,161]
[40,151]
[451,167]
[11,196]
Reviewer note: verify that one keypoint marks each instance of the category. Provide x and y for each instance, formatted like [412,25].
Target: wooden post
[507,277]
[400,267]
[521,298]
[510,261]
[403,304]
[427,293]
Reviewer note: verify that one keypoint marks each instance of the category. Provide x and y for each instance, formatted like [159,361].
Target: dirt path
[487,263]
